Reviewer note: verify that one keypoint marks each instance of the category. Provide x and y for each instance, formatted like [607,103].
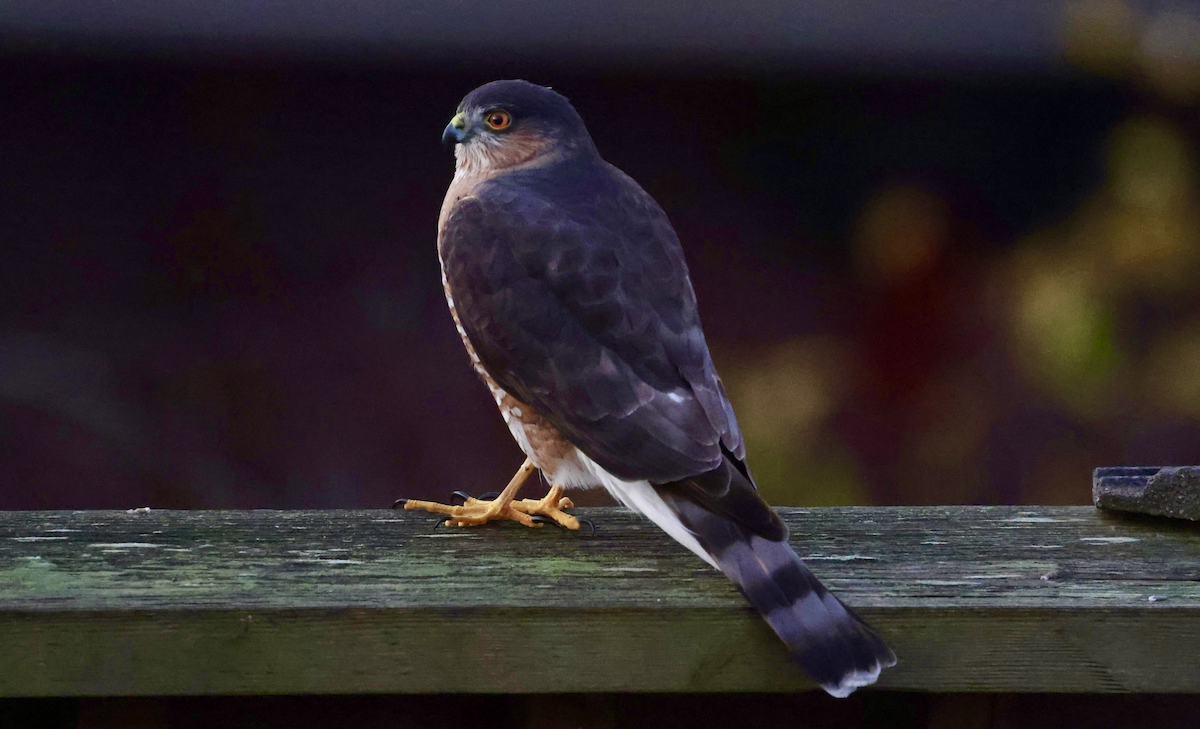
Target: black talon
[440,522]
[543,519]
[490,496]
[461,497]
[399,503]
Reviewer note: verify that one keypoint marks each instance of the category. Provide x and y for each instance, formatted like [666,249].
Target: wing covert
[589,316]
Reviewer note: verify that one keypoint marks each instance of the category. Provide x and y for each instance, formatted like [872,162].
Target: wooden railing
[972,599]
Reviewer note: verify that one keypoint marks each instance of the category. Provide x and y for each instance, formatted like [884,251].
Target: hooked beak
[454,131]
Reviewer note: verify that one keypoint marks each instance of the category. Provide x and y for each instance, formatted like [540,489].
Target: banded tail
[829,641]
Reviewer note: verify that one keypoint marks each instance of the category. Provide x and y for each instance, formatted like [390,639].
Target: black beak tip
[451,135]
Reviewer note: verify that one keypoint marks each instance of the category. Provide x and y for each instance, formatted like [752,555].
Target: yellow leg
[475,512]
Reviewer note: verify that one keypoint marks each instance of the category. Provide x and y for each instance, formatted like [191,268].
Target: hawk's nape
[569,289]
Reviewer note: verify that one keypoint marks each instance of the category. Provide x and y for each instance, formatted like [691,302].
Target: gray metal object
[1172,491]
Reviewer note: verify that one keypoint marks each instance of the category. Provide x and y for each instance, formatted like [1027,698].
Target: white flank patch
[517,428]
[642,498]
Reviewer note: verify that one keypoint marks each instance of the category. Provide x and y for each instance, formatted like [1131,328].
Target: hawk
[569,289]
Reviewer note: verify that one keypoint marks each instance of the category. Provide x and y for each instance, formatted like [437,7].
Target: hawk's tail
[825,637]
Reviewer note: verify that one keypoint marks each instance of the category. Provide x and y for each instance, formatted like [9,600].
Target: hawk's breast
[548,448]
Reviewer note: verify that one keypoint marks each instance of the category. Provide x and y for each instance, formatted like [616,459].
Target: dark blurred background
[944,252]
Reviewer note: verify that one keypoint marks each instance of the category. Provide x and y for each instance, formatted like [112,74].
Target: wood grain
[1027,599]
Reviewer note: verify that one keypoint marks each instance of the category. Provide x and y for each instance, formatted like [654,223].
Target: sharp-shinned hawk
[568,286]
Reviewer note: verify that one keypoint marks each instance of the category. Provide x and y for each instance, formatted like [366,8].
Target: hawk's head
[508,124]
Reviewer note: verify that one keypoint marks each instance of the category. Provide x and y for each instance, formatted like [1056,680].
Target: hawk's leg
[475,512]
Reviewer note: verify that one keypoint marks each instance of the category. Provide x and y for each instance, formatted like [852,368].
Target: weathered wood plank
[971,598]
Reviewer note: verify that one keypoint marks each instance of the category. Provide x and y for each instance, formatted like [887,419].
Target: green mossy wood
[273,602]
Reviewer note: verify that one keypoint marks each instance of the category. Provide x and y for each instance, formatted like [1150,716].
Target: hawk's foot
[550,506]
[474,512]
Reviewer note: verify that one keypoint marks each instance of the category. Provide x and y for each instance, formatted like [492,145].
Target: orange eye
[497,120]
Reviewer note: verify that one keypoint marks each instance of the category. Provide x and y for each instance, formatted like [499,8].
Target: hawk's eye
[497,120]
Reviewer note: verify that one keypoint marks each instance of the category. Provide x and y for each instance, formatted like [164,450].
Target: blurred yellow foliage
[1151,208]
[1172,375]
[1077,284]
[1063,327]
[1102,36]
[1161,51]
[784,395]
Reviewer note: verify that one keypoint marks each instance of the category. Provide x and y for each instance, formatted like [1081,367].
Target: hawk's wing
[589,317]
